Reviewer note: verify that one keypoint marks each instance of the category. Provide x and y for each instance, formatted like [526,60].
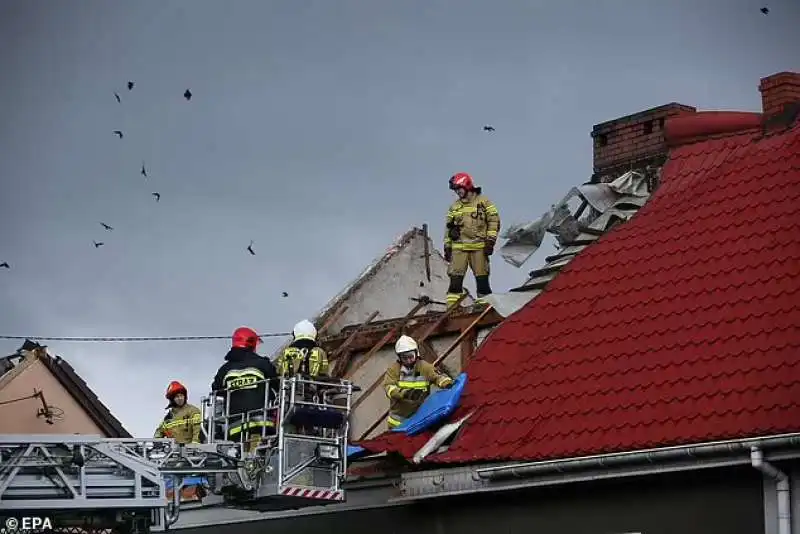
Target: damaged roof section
[674,329]
[584,215]
[410,268]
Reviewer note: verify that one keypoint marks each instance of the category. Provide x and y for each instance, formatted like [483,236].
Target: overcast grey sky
[319,129]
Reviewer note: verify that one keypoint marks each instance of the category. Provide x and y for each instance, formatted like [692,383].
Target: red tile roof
[681,326]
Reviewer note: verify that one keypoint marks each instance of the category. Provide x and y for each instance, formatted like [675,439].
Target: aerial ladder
[295,456]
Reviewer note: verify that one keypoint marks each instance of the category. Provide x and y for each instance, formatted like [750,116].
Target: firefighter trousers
[478,261]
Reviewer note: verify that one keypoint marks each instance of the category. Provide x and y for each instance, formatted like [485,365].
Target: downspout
[782,486]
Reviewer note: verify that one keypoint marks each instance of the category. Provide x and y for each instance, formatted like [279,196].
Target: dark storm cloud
[320,130]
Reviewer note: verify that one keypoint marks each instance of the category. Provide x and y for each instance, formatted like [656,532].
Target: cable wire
[109,339]
[10,401]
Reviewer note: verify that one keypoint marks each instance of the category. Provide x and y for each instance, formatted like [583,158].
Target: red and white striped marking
[308,493]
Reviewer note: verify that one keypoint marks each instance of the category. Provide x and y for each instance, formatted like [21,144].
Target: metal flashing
[446,482]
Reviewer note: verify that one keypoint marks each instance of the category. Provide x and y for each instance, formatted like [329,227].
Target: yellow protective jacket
[397,379]
[475,221]
[296,356]
[182,424]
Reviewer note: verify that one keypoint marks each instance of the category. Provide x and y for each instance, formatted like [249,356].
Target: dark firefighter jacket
[243,374]
[303,357]
[182,423]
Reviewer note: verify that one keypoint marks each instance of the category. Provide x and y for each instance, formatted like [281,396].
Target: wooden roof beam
[451,325]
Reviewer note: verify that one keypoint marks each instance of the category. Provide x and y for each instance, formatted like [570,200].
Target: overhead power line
[109,339]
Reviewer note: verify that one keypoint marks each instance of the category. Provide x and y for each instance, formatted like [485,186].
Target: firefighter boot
[483,288]
[455,290]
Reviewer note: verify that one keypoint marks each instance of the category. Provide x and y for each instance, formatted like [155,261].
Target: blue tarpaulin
[436,407]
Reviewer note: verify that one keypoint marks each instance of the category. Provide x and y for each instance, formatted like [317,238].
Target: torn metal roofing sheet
[507,303]
[525,239]
[619,201]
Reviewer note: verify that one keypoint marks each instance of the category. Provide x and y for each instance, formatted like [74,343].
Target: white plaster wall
[390,289]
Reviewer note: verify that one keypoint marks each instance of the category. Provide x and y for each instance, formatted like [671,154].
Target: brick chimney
[778,91]
[633,141]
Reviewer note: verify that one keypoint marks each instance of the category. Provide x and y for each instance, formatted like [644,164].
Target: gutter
[781,488]
[447,482]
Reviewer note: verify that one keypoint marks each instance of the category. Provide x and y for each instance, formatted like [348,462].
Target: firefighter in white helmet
[408,381]
[303,356]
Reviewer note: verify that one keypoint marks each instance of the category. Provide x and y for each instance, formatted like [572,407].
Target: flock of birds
[157,196]
[143,171]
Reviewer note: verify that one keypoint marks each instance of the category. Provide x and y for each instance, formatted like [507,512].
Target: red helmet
[462,179]
[174,388]
[245,338]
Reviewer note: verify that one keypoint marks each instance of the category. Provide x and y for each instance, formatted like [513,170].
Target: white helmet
[405,344]
[304,330]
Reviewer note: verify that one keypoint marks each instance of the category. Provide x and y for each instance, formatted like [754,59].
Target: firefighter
[244,379]
[303,356]
[183,420]
[306,358]
[408,381]
[472,225]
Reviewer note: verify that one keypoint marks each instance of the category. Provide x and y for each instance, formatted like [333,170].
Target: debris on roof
[678,327]
[69,379]
[420,272]
[595,200]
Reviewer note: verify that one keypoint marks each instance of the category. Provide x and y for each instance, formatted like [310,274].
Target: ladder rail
[79,474]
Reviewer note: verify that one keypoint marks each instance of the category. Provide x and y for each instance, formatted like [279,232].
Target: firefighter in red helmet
[183,420]
[472,225]
[244,379]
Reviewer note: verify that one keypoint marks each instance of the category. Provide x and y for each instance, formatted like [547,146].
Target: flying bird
[143,171]
[116,95]
[765,10]
[107,227]
[118,133]
[97,245]
[250,249]
[130,86]
[284,294]
[187,95]
[5,265]
[157,195]
[488,128]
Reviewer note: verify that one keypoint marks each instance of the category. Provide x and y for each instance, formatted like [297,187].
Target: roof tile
[681,326]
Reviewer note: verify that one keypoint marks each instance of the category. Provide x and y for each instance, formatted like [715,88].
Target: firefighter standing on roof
[183,420]
[245,375]
[472,225]
[303,356]
[407,382]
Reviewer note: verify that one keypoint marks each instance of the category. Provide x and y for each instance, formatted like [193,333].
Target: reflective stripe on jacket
[183,424]
[290,361]
[421,376]
[243,376]
[477,220]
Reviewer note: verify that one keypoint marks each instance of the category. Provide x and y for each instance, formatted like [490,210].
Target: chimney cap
[660,111]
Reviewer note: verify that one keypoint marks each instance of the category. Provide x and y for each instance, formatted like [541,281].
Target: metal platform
[300,460]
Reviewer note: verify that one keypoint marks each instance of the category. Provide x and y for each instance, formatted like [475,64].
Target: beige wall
[20,417]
